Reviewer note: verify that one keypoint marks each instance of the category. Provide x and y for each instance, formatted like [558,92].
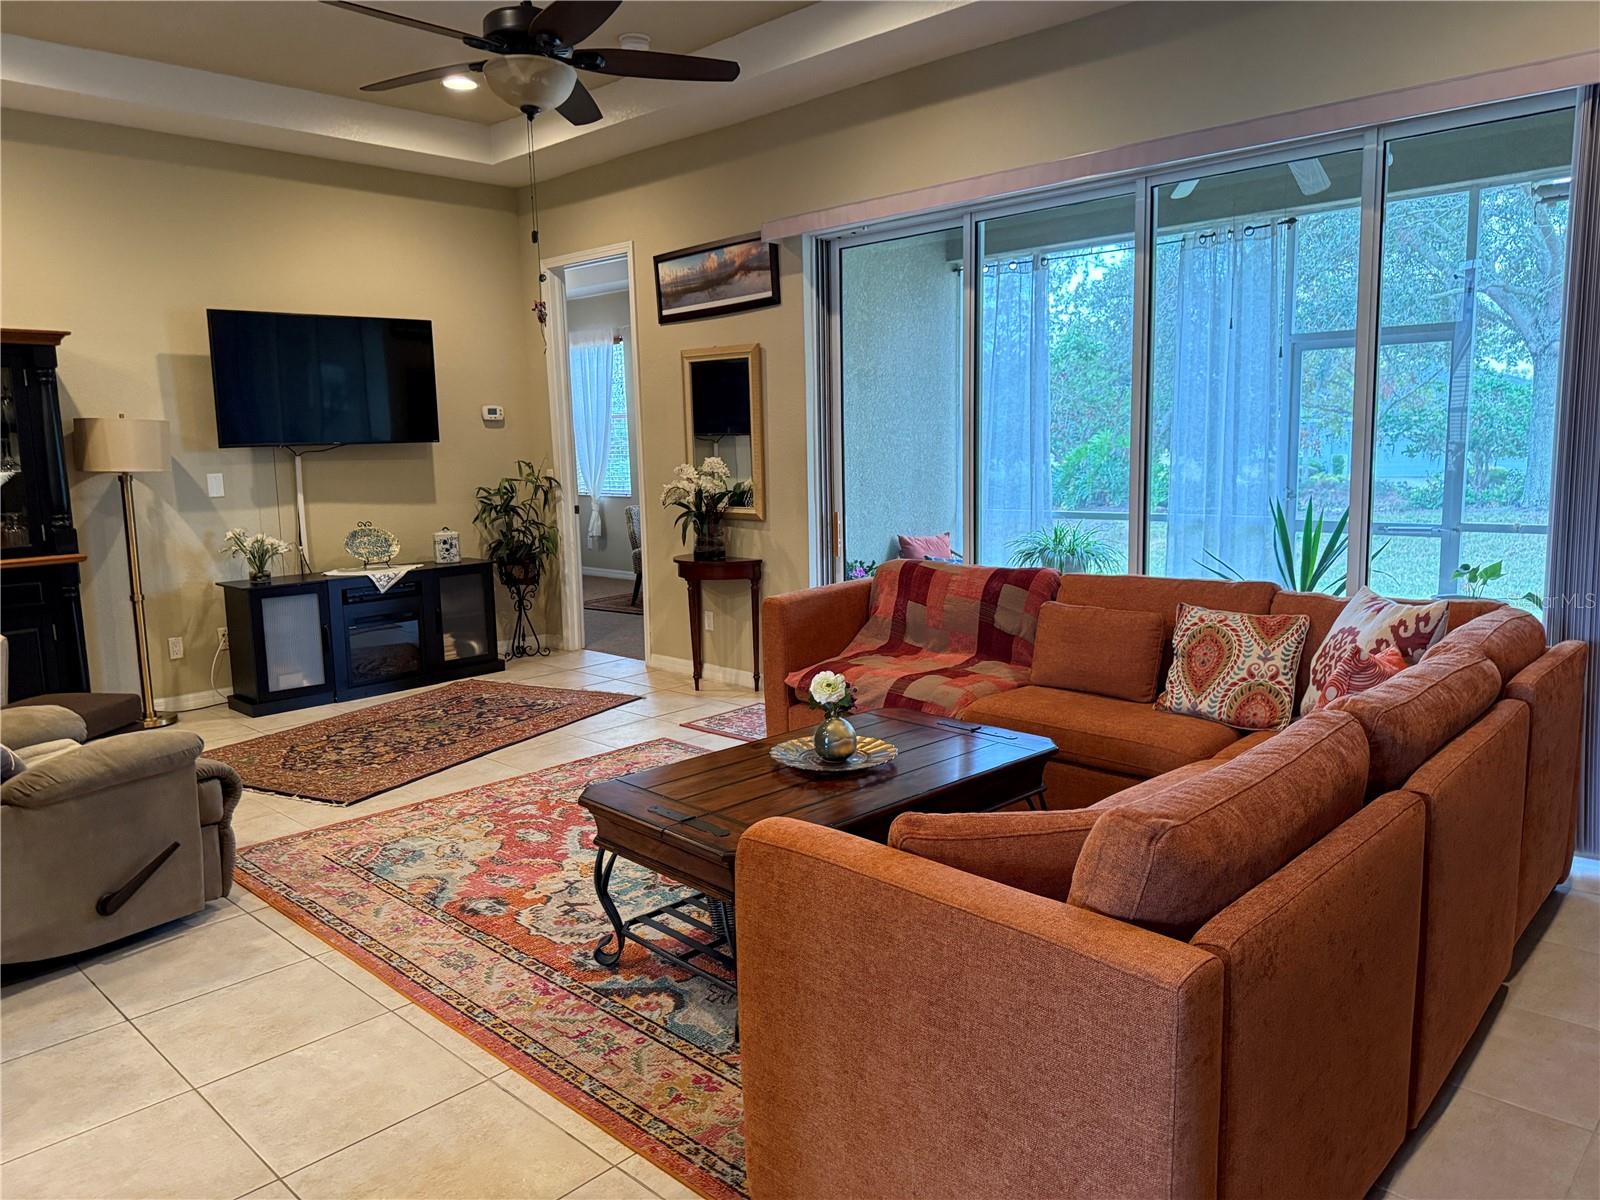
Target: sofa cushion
[1172,860]
[1507,637]
[1409,717]
[1237,668]
[103,713]
[940,635]
[1372,622]
[1248,742]
[1108,651]
[1122,736]
[1161,595]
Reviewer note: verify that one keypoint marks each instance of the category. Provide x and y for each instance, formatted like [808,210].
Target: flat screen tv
[285,378]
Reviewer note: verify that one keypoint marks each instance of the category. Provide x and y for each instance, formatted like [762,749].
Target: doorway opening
[595,423]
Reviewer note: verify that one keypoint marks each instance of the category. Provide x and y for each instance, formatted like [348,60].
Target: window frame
[1371,141]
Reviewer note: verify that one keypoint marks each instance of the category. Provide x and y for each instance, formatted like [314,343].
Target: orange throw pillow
[1107,651]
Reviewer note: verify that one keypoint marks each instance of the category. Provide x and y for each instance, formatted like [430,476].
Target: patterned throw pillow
[1236,668]
[1371,623]
[10,764]
[1357,671]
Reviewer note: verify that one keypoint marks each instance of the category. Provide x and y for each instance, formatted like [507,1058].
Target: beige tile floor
[232,1054]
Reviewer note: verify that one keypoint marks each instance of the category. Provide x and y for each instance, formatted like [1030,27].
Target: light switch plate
[214,483]
[494,412]
[175,647]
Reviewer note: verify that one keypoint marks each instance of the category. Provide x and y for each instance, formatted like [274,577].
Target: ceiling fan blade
[653,64]
[579,108]
[400,81]
[570,21]
[426,26]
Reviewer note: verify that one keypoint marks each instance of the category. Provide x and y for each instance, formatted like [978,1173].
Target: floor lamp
[122,446]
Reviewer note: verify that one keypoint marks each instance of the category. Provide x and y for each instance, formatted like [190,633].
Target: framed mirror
[722,414]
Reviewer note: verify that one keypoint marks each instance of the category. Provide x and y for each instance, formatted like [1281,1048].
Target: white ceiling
[285,74]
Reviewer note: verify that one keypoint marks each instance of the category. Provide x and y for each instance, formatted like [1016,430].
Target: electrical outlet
[222,636]
[175,647]
[707,620]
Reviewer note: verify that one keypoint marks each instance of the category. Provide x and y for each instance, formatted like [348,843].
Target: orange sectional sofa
[1220,965]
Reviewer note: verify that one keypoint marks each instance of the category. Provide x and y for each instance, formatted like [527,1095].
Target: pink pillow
[931,546]
[1359,671]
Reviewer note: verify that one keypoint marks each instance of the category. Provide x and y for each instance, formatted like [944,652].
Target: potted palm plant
[517,519]
[1067,548]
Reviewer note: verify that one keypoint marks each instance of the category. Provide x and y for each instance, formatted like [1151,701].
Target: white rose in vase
[830,691]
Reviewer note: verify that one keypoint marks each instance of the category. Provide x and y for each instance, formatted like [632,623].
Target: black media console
[298,640]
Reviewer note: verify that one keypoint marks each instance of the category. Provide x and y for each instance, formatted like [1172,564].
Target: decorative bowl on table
[371,545]
[801,754]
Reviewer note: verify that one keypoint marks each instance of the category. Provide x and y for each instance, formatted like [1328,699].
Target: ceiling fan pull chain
[540,309]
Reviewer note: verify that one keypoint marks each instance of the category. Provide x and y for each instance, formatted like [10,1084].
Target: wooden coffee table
[685,819]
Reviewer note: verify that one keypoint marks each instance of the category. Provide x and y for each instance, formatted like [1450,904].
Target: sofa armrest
[29,725]
[1031,851]
[873,982]
[105,764]
[1321,965]
[799,629]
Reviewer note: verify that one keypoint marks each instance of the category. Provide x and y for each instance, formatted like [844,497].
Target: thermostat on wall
[494,412]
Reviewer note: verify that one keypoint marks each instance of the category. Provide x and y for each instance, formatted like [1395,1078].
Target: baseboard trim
[608,573]
[736,676]
[189,701]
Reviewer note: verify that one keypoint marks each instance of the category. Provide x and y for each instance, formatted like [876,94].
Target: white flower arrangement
[832,693]
[257,549]
[703,495]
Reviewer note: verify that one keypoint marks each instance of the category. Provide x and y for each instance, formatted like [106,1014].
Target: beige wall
[125,238]
[1132,73]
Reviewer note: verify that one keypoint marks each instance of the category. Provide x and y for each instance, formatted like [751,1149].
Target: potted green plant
[1305,562]
[517,519]
[1067,548]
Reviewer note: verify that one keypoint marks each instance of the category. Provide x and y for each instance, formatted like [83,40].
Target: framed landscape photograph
[716,279]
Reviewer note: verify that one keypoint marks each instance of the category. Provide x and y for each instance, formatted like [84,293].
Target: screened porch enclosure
[1177,366]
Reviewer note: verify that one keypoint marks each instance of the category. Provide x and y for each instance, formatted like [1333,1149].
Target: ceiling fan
[534,57]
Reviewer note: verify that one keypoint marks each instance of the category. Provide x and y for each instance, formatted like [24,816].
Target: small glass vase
[710,541]
[834,740]
[264,575]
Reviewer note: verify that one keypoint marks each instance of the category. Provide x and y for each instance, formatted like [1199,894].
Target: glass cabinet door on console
[463,610]
[16,516]
[280,647]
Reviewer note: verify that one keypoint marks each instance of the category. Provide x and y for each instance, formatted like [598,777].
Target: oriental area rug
[748,724]
[350,757]
[480,907]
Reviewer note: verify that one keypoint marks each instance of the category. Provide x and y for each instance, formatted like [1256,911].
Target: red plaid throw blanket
[941,635]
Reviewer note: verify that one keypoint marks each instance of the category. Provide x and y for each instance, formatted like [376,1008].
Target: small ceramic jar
[447,546]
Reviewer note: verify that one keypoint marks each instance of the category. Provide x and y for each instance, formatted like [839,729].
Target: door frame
[558,379]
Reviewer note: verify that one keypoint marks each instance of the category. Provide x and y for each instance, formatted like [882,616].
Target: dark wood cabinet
[41,610]
[308,639]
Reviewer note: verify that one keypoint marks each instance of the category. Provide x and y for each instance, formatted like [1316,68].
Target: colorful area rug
[620,603]
[479,906]
[348,758]
[748,724]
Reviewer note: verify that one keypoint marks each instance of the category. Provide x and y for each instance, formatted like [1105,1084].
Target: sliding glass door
[1474,255]
[900,413]
[1325,366]
[1055,379]
[1252,383]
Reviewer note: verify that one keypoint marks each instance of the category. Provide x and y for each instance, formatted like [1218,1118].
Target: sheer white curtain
[591,415]
[1227,408]
[1013,406]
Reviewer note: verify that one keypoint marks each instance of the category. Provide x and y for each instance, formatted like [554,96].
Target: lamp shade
[122,444]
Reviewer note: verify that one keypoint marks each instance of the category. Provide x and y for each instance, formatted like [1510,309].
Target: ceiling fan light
[460,83]
[530,80]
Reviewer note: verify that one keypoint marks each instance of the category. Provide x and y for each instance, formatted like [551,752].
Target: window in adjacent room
[618,480]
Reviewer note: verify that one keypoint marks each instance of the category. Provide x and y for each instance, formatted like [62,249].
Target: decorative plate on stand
[371,545]
[800,754]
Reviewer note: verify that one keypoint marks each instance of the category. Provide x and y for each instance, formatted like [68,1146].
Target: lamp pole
[150,719]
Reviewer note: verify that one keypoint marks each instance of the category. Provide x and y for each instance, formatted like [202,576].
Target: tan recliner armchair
[104,840]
